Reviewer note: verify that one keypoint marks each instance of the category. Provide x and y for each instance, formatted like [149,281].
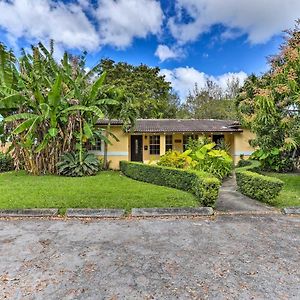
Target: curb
[94,213]
[163,212]
[291,210]
[35,212]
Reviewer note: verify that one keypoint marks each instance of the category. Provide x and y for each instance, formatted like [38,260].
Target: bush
[274,160]
[214,161]
[257,186]
[6,162]
[201,157]
[175,159]
[69,165]
[243,163]
[203,185]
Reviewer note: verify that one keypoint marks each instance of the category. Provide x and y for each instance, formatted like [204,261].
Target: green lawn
[290,194]
[109,189]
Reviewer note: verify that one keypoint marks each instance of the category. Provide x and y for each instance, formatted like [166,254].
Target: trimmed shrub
[203,185]
[243,163]
[6,163]
[257,186]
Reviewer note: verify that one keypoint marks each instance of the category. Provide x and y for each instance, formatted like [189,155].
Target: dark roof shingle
[180,125]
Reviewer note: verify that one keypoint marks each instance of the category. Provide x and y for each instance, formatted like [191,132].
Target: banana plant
[49,107]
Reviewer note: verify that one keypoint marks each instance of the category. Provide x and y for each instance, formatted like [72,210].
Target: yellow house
[151,138]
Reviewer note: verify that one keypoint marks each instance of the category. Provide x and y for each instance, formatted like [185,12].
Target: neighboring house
[151,138]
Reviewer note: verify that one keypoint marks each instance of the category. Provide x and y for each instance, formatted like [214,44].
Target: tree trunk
[106,162]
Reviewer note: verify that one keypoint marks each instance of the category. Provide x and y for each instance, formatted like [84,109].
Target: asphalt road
[229,257]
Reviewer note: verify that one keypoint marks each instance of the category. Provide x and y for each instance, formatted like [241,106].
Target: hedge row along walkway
[230,200]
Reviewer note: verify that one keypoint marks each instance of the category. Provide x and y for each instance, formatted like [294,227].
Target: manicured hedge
[257,186]
[203,185]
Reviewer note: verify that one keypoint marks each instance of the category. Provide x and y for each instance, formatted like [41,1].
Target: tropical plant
[176,159]
[122,109]
[273,160]
[215,161]
[195,144]
[74,165]
[50,108]
[270,106]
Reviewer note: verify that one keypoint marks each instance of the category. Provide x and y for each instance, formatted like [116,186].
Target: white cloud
[37,20]
[260,19]
[115,22]
[183,79]
[163,52]
[122,20]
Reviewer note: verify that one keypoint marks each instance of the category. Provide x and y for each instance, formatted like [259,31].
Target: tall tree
[270,106]
[150,91]
[211,102]
[49,108]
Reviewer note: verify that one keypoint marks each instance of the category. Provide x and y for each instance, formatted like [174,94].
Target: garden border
[202,184]
[29,212]
[295,210]
[257,186]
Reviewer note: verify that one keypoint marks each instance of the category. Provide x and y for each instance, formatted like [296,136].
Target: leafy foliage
[51,108]
[269,105]
[273,160]
[201,155]
[6,162]
[149,90]
[215,161]
[176,159]
[72,165]
[203,185]
[211,102]
[257,186]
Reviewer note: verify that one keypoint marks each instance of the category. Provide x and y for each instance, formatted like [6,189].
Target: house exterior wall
[118,150]
[121,150]
[241,144]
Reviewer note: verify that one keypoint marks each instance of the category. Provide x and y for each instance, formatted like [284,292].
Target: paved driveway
[230,257]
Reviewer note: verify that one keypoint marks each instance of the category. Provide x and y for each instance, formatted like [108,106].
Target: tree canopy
[51,108]
[211,102]
[152,94]
[270,106]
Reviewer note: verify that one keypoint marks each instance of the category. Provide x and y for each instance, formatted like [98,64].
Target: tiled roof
[180,125]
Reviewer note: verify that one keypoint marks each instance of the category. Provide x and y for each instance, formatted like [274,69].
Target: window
[154,144]
[96,147]
[186,138]
[169,142]
[218,139]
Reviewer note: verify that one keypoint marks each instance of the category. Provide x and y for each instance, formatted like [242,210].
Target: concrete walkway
[230,200]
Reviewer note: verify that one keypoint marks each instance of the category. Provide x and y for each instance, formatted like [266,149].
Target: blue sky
[190,40]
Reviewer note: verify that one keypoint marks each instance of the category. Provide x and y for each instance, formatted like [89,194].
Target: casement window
[154,145]
[169,142]
[96,147]
[186,138]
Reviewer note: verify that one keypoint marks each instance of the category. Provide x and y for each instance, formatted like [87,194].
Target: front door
[137,148]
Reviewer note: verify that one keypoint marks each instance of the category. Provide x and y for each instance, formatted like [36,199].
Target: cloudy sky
[190,40]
